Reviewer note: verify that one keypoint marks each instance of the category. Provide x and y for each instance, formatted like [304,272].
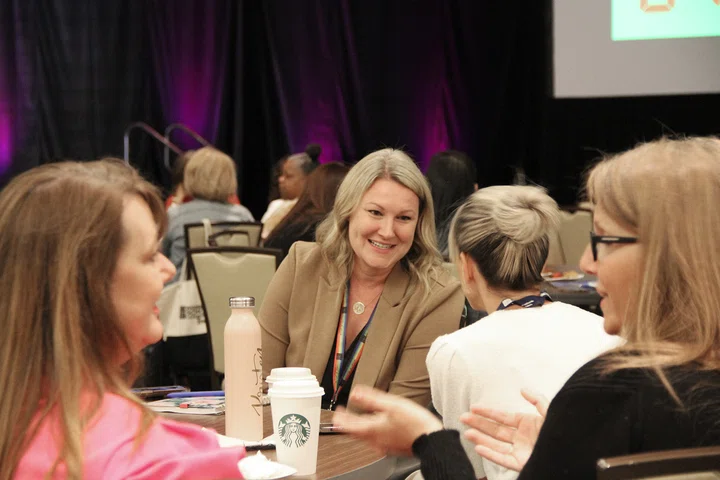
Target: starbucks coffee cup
[288,373]
[295,406]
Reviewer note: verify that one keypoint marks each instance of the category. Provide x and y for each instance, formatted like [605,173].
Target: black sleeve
[584,423]
[442,456]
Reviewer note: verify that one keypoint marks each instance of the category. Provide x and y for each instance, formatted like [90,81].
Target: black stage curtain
[264,78]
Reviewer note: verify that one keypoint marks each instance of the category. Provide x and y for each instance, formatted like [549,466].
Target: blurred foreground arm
[399,426]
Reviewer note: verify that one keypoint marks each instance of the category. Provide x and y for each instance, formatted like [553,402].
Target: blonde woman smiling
[364,303]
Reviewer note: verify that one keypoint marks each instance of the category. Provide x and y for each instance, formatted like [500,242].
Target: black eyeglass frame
[609,240]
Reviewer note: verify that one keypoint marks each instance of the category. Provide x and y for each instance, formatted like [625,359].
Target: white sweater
[489,362]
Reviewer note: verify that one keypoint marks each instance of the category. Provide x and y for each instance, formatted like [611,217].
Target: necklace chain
[359,307]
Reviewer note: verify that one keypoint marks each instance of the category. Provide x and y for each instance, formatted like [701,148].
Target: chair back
[224,272]
[238,234]
[451,268]
[574,235]
[556,256]
[688,464]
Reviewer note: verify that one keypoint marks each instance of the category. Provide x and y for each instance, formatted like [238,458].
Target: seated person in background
[85,236]
[291,182]
[180,195]
[211,180]
[657,260]
[314,204]
[372,288]
[274,187]
[452,177]
[177,176]
[500,239]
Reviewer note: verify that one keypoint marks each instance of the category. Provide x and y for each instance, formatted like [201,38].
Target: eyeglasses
[605,239]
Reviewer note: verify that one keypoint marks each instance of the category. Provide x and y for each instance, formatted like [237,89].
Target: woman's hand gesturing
[506,438]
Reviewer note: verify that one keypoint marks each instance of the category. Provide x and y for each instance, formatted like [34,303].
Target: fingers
[489,428]
[353,423]
[371,400]
[540,402]
[480,438]
[502,460]
[498,416]
[495,451]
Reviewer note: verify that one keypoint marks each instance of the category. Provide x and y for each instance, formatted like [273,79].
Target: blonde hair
[668,192]
[423,261]
[210,175]
[60,237]
[506,231]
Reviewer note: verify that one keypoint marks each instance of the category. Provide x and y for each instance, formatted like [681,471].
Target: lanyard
[526,302]
[340,375]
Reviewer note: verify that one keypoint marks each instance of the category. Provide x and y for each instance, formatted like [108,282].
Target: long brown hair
[60,237]
[668,192]
[317,198]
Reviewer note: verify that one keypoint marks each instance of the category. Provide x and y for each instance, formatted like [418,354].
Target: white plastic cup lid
[289,373]
[296,389]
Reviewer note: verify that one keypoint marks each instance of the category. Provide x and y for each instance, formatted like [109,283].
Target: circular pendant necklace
[359,307]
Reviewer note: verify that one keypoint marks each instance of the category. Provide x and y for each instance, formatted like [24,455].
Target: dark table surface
[574,292]
[339,456]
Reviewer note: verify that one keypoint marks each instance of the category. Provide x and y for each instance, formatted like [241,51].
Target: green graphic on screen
[655,19]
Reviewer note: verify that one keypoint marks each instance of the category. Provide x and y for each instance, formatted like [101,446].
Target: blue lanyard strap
[526,302]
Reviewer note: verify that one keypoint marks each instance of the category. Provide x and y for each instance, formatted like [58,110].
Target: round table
[340,456]
[574,292]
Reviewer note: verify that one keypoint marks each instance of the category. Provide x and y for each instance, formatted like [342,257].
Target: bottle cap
[242,302]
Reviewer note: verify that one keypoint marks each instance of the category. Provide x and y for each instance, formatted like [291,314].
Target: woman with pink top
[80,277]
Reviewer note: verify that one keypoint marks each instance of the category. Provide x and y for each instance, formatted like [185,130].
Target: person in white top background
[291,183]
[500,240]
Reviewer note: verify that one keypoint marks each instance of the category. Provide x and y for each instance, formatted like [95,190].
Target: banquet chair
[451,269]
[556,255]
[224,272]
[701,463]
[237,234]
[573,233]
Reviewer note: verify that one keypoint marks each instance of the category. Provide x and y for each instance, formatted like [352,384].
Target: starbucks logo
[294,430]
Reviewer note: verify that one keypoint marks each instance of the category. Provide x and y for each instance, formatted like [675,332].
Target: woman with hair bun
[314,204]
[500,240]
[654,249]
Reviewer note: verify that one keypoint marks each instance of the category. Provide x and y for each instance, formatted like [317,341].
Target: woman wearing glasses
[499,239]
[656,255]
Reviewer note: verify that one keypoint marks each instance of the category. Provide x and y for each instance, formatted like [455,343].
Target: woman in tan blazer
[375,254]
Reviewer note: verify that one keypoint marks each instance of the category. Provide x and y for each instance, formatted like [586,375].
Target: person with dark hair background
[274,190]
[291,182]
[314,204]
[177,177]
[452,177]
[313,150]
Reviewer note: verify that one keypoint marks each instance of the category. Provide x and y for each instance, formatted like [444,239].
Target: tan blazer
[300,314]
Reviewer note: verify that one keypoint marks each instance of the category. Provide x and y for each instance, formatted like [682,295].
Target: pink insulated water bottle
[243,372]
